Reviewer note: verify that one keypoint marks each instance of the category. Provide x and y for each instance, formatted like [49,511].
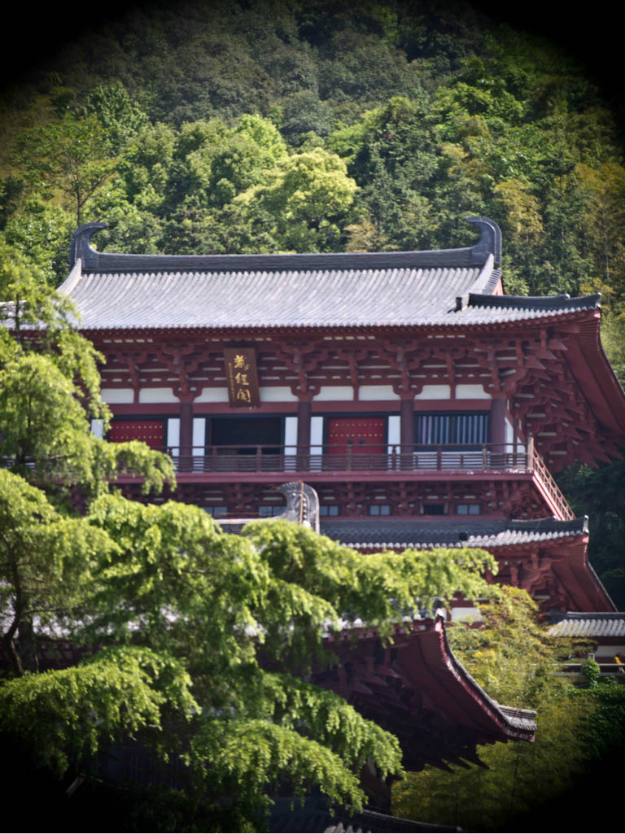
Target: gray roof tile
[590,624]
[420,533]
[382,289]
[319,298]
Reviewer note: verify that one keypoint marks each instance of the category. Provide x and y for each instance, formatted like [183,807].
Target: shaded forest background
[291,126]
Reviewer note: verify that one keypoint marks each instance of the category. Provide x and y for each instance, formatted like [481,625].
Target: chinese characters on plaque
[242,377]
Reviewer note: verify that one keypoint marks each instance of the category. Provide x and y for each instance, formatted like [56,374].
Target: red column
[304,409]
[406,425]
[498,421]
[186,434]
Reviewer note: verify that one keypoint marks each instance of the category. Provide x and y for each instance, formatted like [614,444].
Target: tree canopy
[238,128]
[191,641]
[580,731]
[272,127]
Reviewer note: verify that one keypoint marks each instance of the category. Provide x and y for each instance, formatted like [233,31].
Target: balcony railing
[289,460]
[547,482]
[490,456]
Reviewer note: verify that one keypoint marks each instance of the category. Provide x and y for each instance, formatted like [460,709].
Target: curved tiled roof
[590,624]
[285,298]
[378,289]
[420,533]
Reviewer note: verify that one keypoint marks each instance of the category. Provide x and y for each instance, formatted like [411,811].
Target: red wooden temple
[423,405]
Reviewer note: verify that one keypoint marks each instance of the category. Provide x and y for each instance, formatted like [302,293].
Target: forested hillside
[292,126]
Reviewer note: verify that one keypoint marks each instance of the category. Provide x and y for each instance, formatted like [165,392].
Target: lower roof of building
[588,624]
[422,533]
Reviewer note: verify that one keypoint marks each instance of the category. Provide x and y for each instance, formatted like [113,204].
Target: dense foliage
[235,127]
[203,639]
[210,127]
[229,127]
[578,731]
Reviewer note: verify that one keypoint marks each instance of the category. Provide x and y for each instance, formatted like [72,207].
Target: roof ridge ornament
[302,504]
[490,241]
[81,245]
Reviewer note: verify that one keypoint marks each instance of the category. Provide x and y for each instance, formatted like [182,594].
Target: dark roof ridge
[485,532]
[536,301]
[103,262]
[574,525]
[559,616]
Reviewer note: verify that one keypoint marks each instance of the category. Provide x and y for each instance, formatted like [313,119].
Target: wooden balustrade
[488,457]
[547,482]
[288,459]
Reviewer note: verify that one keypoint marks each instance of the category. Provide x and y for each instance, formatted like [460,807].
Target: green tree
[69,158]
[192,619]
[308,195]
[189,621]
[50,392]
[120,117]
[45,562]
[514,658]
[42,232]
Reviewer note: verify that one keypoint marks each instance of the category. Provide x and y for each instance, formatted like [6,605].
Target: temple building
[419,404]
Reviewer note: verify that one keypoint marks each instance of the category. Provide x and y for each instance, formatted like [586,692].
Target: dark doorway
[241,432]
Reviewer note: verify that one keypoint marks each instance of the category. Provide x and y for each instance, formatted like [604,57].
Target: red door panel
[362,435]
[151,432]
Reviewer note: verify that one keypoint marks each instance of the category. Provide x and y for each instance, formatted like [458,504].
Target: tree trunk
[28,646]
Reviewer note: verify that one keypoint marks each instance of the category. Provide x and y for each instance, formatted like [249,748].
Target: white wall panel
[97,428]
[118,395]
[316,435]
[509,431]
[335,393]
[290,435]
[394,431]
[157,395]
[434,392]
[173,433]
[199,435]
[377,392]
[213,395]
[471,392]
[466,613]
[608,651]
[277,394]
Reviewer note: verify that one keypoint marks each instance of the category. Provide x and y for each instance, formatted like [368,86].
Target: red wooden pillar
[498,421]
[186,434]
[304,410]
[406,433]
[406,425]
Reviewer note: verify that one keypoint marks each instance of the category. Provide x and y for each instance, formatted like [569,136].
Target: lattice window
[379,509]
[468,509]
[469,427]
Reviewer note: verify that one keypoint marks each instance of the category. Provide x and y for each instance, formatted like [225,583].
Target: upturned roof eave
[489,244]
[336,328]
